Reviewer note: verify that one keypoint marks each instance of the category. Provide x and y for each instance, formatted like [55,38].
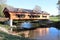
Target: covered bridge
[23,14]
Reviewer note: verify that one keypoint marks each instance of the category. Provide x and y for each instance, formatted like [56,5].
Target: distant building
[23,14]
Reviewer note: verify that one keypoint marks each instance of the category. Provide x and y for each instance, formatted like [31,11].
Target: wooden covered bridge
[23,14]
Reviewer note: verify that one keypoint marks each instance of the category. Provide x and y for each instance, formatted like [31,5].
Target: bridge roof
[12,9]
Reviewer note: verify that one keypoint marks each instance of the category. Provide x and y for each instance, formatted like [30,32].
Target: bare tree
[2,5]
[2,1]
[58,10]
[37,9]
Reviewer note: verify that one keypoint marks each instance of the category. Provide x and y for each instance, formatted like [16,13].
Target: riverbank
[7,35]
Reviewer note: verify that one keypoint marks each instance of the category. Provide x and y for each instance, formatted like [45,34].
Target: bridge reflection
[39,32]
[34,33]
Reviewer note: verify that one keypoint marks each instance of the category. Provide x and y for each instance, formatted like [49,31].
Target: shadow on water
[56,25]
[38,24]
[31,26]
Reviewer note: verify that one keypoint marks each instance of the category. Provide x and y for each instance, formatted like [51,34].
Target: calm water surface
[45,34]
[42,33]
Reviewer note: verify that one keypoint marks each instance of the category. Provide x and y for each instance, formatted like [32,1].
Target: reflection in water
[42,31]
[39,32]
[25,25]
[43,34]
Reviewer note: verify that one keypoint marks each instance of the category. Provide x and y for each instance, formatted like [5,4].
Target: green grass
[54,18]
[5,36]
[5,26]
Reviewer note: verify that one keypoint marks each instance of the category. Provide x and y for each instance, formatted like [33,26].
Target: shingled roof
[12,9]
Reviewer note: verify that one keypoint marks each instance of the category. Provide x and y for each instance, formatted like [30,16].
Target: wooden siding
[14,16]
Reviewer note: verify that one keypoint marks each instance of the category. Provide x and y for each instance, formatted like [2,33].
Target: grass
[5,26]
[54,18]
[5,36]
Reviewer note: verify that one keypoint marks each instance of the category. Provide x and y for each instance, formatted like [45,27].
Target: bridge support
[11,24]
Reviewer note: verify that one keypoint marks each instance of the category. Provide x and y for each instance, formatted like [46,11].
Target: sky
[49,6]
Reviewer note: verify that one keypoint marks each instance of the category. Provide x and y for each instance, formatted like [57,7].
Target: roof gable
[11,9]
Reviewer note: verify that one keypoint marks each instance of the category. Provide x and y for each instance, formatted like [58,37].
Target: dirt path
[3,29]
[14,33]
[7,31]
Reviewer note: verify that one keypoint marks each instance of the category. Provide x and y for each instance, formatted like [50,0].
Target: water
[25,25]
[28,25]
[41,33]
[45,34]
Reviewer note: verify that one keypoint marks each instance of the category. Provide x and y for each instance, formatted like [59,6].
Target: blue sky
[49,6]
